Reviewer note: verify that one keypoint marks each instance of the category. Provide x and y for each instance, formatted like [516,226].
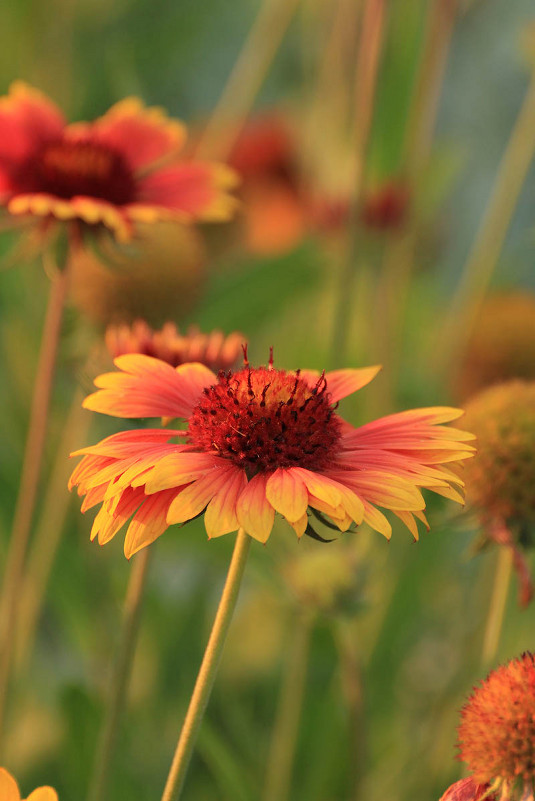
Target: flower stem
[120,676]
[285,731]
[498,600]
[31,470]
[48,531]
[208,669]
[246,77]
[488,244]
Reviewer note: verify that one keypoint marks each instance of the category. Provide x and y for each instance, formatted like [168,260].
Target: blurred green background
[415,631]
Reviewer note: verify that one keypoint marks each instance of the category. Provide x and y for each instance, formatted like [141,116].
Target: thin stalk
[398,260]
[285,731]
[208,669]
[49,530]
[490,238]
[246,78]
[351,675]
[498,601]
[120,678]
[367,67]
[31,470]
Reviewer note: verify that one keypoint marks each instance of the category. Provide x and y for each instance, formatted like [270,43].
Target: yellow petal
[8,787]
[255,513]
[287,493]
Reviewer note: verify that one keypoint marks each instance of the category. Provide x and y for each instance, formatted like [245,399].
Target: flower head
[497,729]
[9,790]
[121,169]
[258,441]
[327,583]
[265,156]
[500,480]
[502,344]
[214,350]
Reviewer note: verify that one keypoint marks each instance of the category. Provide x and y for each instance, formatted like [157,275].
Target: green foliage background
[417,628]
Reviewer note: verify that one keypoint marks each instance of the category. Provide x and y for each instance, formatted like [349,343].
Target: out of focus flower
[215,350]
[385,207]
[161,277]
[258,441]
[502,344]
[497,731]
[283,202]
[121,169]
[324,582]
[501,477]
[265,156]
[9,790]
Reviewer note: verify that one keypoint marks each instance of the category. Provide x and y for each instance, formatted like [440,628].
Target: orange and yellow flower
[121,169]
[497,731]
[214,350]
[258,441]
[9,790]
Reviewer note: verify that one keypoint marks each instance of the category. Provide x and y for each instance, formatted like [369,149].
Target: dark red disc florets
[261,419]
[67,169]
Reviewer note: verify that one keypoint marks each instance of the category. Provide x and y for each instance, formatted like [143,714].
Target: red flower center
[261,419]
[67,169]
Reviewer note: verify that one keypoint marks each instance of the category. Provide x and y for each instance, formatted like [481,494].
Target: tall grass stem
[284,737]
[29,481]
[498,601]
[120,678]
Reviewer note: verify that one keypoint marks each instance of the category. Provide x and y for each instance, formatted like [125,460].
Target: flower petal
[89,209]
[150,521]
[255,513]
[319,485]
[148,387]
[27,119]
[221,516]
[376,520]
[341,383]
[141,135]
[299,526]
[192,500]
[43,794]
[178,469]
[9,790]
[286,492]
[114,514]
[193,189]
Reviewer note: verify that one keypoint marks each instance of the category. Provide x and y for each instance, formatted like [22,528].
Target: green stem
[31,469]
[285,730]
[208,669]
[498,601]
[121,675]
